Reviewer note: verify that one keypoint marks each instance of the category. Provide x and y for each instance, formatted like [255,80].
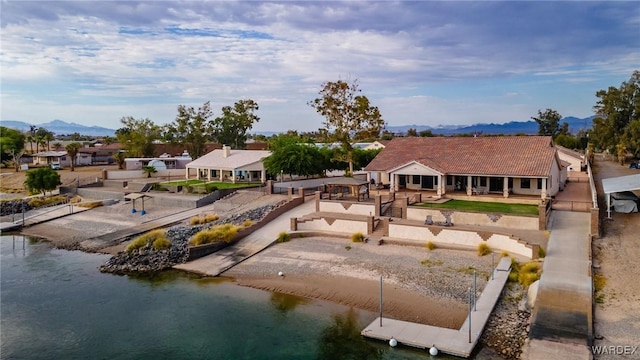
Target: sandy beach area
[428,287]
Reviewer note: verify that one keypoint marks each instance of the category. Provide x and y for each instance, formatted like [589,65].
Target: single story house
[162,162]
[575,160]
[101,153]
[230,165]
[60,157]
[524,165]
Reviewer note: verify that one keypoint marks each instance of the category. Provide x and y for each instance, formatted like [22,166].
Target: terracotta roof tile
[500,155]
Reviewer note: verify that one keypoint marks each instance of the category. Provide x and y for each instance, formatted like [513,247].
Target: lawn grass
[490,207]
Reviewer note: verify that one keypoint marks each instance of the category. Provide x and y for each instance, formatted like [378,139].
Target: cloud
[127,58]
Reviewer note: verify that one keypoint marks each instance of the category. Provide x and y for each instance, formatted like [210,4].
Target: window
[416,179]
[449,180]
[483,181]
[539,184]
[525,183]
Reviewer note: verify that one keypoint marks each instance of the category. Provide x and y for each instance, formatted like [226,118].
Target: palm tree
[72,151]
[149,169]
[57,146]
[48,138]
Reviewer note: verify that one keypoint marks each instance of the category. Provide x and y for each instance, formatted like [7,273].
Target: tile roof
[499,155]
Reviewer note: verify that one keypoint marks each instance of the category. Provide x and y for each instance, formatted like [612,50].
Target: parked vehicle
[635,165]
[56,166]
[625,202]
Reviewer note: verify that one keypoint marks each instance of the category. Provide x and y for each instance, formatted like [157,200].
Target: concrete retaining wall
[450,237]
[354,208]
[332,225]
[475,219]
[204,250]
[179,174]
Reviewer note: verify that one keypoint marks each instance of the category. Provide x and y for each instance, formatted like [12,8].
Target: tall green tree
[548,122]
[231,127]
[72,151]
[138,136]
[349,116]
[615,110]
[11,146]
[192,129]
[290,155]
[42,180]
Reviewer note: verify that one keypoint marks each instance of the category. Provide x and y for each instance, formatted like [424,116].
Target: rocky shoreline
[508,326]
[149,260]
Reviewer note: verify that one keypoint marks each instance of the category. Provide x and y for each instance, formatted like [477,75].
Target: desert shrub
[515,270]
[541,252]
[430,263]
[37,202]
[247,223]
[226,233]
[211,218]
[347,247]
[147,239]
[357,237]
[91,205]
[504,253]
[529,273]
[161,243]
[284,237]
[196,220]
[430,245]
[599,281]
[210,188]
[483,249]
[75,199]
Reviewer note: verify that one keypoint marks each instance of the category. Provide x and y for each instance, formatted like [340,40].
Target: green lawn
[489,207]
[182,182]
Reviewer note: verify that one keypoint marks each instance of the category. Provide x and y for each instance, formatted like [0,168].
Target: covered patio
[229,165]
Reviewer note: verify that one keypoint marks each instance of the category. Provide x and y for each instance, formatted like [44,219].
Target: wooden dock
[453,342]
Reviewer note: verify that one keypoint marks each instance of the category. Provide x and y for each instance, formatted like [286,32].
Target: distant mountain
[60,127]
[511,128]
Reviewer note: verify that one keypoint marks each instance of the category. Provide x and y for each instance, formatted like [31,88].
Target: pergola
[358,188]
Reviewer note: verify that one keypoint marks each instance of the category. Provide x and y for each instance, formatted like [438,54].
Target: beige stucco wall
[337,225]
[347,207]
[476,219]
[420,235]
[139,174]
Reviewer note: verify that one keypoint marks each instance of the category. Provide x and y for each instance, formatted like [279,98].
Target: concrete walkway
[454,342]
[561,326]
[218,262]
[40,216]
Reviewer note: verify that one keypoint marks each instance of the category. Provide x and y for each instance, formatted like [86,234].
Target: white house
[230,165]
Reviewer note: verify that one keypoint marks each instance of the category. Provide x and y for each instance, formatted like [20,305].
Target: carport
[619,184]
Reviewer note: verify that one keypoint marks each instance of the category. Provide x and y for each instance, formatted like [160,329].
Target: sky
[420,62]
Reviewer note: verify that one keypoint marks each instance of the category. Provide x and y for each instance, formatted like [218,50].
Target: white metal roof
[621,183]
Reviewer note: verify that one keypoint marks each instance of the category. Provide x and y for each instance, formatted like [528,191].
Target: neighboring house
[60,157]
[162,162]
[101,153]
[230,165]
[575,160]
[524,165]
[360,145]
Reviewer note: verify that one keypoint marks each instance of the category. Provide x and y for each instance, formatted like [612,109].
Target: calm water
[55,304]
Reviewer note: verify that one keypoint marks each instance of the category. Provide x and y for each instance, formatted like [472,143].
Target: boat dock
[453,342]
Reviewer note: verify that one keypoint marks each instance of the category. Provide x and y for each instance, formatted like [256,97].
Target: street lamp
[281,175]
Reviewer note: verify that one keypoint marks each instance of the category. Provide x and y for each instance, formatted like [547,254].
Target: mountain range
[60,127]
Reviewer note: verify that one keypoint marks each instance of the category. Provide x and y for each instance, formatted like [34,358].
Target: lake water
[55,304]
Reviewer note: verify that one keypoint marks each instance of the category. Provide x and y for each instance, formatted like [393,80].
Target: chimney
[226,151]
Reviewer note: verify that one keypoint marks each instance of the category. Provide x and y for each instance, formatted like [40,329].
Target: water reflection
[342,340]
[285,302]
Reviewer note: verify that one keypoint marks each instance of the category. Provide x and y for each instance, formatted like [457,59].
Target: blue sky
[421,62]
